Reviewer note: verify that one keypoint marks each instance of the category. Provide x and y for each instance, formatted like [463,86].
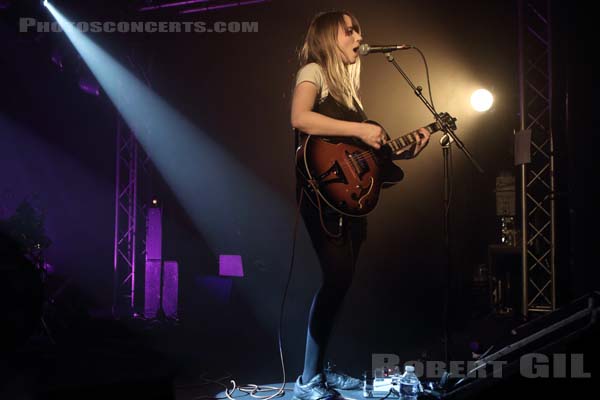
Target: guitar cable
[313,186]
[252,389]
[341,227]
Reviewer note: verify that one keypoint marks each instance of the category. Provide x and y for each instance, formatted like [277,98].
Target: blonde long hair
[320,46]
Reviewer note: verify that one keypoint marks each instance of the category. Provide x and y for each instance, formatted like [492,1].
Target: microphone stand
[446,141]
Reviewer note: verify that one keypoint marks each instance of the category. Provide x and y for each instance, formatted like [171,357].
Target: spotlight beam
[217,192]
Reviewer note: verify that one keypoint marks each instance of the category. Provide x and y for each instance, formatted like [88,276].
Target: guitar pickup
[359,164]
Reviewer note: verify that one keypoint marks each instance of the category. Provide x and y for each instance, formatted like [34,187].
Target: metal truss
[132,194]
[125,221]
[537,178]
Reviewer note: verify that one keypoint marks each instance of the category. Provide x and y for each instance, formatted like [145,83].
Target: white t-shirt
[312,72]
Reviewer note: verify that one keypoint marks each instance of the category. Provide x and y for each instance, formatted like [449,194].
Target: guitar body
[346,174]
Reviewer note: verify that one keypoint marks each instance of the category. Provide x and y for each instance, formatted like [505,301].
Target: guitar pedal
[381,387]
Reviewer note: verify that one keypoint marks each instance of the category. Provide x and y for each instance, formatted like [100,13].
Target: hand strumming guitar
[372,134]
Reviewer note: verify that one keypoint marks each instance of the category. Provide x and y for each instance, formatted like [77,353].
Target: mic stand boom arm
[445,128]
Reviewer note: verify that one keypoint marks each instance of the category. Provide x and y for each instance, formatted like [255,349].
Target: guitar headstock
[446,119]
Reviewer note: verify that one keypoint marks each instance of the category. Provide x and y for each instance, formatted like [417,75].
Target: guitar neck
[410,138]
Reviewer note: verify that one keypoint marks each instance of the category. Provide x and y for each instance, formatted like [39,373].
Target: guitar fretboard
[409,139]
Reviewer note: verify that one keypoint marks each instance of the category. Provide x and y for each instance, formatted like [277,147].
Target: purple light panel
[230,265]
[152,288]
[170,288]
[153,262]
[154,234]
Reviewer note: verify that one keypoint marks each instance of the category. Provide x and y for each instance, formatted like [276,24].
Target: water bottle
[410,386]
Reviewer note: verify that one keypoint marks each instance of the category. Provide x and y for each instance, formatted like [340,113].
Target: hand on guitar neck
[375,136]
[422,135]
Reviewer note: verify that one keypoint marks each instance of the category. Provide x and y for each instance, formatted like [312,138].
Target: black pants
[337,258]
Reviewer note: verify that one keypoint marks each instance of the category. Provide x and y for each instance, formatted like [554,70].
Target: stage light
[45,3]
[482,100]
[197,169]
[89,85]
[155,202]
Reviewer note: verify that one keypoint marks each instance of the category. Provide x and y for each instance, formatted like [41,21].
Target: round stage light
[482,100]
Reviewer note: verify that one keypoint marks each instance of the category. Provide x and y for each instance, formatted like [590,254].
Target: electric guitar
[347,174]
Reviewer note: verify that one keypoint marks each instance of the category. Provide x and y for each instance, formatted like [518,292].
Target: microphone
[365,49]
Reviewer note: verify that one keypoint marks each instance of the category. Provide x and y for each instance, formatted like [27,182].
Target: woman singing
[326,103]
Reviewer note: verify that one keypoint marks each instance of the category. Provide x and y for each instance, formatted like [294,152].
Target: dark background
[57,147]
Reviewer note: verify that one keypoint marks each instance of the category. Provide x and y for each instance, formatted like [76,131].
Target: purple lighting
[230,265]
[170,288]
[89,86]
[152,285]
[152,288]
[176,4]
[221,6]
[154,234]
